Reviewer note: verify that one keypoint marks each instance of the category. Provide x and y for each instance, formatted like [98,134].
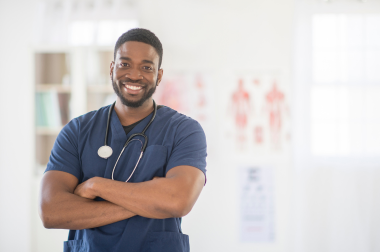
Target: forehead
[137,51]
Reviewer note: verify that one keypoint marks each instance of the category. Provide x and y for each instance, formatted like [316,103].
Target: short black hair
[140,35]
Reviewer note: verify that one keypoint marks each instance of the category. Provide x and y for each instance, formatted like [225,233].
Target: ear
[159,76]
[112,65]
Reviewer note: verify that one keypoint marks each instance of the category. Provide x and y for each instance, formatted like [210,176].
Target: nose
[134,74]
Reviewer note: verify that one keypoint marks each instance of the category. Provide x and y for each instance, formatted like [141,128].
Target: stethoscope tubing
[142,134]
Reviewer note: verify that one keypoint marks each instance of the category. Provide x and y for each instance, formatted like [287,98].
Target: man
[143,214]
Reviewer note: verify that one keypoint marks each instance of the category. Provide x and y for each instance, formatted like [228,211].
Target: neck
[128,115]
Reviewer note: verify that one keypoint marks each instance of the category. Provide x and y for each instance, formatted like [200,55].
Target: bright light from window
[345,95]
[82,33]
[110,30]
[104,32]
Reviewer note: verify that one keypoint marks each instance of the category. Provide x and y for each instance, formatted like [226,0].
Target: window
[345,90]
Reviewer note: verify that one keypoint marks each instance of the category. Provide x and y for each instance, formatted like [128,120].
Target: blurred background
[287,91]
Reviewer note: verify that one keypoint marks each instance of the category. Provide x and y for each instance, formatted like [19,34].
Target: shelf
[53,87]
[69,81]
[51,67]
[100,89]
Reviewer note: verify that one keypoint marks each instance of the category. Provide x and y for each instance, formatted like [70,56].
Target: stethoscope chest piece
[105,151]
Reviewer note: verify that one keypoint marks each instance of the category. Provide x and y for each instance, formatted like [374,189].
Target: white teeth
[133,87]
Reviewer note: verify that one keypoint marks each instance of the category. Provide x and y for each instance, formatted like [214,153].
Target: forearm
[161,198]
[59,207]
[172,196]
[152,199]
[69,211]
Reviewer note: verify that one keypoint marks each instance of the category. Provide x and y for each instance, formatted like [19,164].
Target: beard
[134,104]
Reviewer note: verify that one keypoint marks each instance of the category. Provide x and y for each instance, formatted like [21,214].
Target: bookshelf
[68,83]
[99,88]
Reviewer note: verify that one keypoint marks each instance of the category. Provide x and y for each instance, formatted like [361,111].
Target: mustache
[132,81]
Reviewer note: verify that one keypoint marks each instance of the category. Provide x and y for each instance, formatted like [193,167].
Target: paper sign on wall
[256,204]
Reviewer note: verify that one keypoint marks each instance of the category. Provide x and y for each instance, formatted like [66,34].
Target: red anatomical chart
[258,108]
[190,94]
[275,108]
[241,109]
[201,101]
[170,93]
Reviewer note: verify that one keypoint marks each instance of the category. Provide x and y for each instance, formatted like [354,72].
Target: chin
[132,103]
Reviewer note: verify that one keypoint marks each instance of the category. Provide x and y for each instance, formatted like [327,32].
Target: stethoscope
[105,151]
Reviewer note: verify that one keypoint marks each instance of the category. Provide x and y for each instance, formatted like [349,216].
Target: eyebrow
[143,61]
[125,58]
[148,61]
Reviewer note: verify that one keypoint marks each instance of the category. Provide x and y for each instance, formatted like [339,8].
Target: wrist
[95,186]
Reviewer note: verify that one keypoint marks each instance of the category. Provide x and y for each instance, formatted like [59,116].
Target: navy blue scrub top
[173,140]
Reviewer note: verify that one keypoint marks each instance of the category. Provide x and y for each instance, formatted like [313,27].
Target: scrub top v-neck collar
[118,130]
[118,133]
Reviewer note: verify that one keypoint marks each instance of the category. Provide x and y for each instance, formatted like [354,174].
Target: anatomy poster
[258,113]
[190,94]
[256,204]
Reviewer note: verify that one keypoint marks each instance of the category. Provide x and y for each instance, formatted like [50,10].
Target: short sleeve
[64,155]
[190,146]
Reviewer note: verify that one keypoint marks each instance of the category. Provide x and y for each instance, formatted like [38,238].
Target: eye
[124,64]
[148,68]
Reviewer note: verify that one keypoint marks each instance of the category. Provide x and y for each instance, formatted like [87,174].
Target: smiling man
[130,194]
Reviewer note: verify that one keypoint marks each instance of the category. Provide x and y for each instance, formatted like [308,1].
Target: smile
[133,87]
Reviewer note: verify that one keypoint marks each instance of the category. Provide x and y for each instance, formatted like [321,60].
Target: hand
[86,189]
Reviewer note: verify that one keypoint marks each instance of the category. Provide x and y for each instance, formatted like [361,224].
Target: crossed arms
[67,205]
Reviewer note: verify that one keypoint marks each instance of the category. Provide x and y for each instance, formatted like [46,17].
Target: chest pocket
[152,164]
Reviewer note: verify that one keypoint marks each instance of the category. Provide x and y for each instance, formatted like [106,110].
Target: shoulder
[178,127]
[185,141]
[92,116]
[174,120]
[82,123]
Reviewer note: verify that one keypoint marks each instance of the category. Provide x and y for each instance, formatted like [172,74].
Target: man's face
[135,73]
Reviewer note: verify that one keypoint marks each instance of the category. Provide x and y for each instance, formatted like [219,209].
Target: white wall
[228,37]
[16,128]
[223,37]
